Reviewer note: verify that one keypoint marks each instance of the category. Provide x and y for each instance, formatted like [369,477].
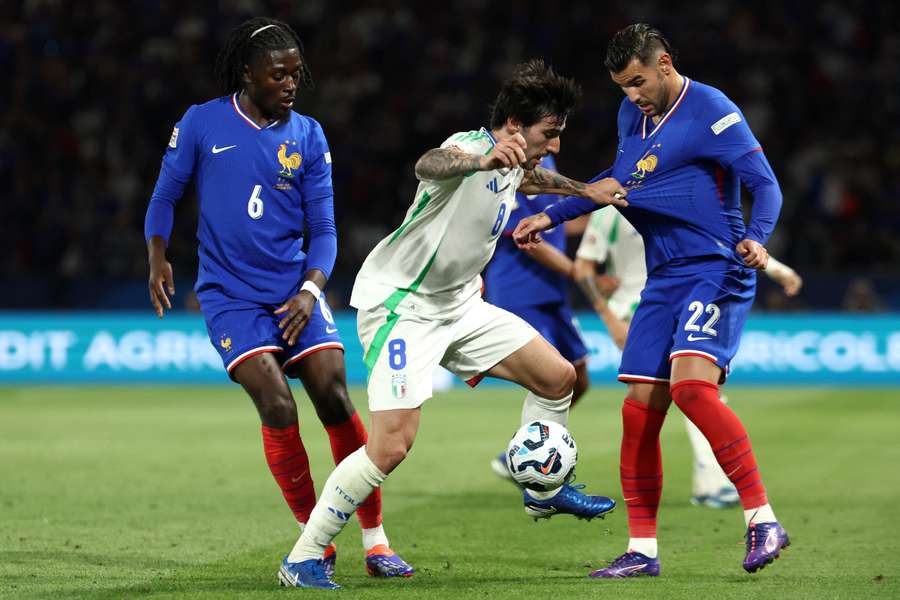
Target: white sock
[763,514]
[543,495]
[347,487]
[374,536]
[646,546]
[536,408]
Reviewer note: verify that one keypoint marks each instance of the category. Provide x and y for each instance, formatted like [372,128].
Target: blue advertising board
[115,347]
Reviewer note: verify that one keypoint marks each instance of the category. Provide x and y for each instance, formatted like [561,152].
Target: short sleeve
[472,142]
[315,179]
[724,134]
[181,152]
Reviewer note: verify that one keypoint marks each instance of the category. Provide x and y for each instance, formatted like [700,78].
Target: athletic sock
[645,545]
[640,468]
[707,477]
[374,536]
[345,439]
[289,464]
[346,487]
[763,514]
[699,401]
[536,408]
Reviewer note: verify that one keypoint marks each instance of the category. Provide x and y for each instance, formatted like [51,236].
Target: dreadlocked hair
[534,91]
[248,41]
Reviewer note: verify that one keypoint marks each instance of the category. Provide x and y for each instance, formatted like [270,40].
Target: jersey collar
[237,107]
[490,135]
[644,134]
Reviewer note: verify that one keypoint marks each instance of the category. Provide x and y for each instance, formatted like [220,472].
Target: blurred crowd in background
[94,88]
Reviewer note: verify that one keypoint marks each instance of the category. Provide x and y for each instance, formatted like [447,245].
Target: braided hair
[249,40]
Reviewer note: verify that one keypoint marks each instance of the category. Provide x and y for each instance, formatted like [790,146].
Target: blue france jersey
[257,187]
[683,197]
[514,279]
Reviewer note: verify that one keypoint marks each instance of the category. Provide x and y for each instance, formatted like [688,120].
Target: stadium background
[95,88]
[149,486]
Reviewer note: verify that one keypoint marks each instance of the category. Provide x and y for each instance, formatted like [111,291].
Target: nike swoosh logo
[216,150]
[691,338]
[549,466]
[330,329]
[632,568]
[299,477]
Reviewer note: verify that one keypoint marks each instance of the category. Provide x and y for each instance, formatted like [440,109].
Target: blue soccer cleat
[381,561]
[569,501]
[630,564]
[764,544]
[307,574]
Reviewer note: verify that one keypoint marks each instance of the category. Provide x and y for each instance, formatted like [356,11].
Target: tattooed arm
[445,163]
[543,181]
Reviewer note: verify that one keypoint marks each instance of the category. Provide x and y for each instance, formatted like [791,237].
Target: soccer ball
[541,455]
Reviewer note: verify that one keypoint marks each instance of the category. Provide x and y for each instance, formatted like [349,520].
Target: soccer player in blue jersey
[684,149]
[262,172]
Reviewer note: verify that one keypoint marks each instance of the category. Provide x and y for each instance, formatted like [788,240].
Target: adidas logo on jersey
[492,185]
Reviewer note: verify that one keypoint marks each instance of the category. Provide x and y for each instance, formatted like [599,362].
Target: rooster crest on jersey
[288,162]
[541,455]
[225,342]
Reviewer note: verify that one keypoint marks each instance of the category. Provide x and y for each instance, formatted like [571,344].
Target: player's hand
[607,284]
[505,154]
[161,281]
[527,234]
[606,191]
[754,254]
[296,313]
[791,283]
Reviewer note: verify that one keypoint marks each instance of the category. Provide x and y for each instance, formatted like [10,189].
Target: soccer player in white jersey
[419,301]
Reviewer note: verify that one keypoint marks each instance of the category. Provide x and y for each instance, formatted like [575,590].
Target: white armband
[776,269]
[312,288]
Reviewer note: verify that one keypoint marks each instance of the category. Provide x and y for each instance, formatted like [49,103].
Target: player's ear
[513,125]
[246,75]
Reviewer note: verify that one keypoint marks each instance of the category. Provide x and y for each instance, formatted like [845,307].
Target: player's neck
[676,82]
[253,111]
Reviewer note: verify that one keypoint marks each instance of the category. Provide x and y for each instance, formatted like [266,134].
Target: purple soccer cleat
[630,564]
[764,544]
[381,561]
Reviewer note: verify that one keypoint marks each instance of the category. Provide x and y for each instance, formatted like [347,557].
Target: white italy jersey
[611,239]
[431,265]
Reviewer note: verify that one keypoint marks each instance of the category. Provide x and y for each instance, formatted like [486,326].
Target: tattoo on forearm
[545,181]
[443,163]
[588,285]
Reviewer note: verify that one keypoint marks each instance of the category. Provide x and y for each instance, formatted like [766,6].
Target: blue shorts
[556,324]
[700,314]
[239,329]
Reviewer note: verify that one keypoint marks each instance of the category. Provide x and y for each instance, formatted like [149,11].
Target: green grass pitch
[162,492]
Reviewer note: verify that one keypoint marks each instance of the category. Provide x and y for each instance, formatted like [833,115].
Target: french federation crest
[398,386]
[289,162]
[225,342]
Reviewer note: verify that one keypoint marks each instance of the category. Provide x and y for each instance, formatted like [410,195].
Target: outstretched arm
[600,191]
[784,276]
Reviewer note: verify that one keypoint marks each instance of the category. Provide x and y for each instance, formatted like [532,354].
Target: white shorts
[402,351]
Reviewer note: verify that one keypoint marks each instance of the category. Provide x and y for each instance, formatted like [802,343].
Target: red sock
[290,466]
[699,401]
[346,439]
[640,468]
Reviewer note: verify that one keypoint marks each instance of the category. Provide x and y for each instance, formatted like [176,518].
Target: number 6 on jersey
[255,204]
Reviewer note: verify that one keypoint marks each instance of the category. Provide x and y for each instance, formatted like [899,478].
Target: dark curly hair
[639,41]
[248,41]
[534,91]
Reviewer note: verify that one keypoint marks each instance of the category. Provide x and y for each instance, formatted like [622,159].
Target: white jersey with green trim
[431,265]
[611,239]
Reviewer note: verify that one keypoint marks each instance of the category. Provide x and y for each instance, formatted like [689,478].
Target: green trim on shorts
[392,302]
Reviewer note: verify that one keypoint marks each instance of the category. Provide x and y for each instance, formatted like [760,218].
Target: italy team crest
[398,386]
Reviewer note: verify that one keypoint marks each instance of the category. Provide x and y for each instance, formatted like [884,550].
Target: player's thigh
[538,367]
[401,354]
[710,321]
[261,377]
[655,395]
[645,358]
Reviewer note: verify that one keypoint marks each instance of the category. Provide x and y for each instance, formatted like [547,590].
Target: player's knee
[561,383]
[391,453]
[277,409]
[331,400]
